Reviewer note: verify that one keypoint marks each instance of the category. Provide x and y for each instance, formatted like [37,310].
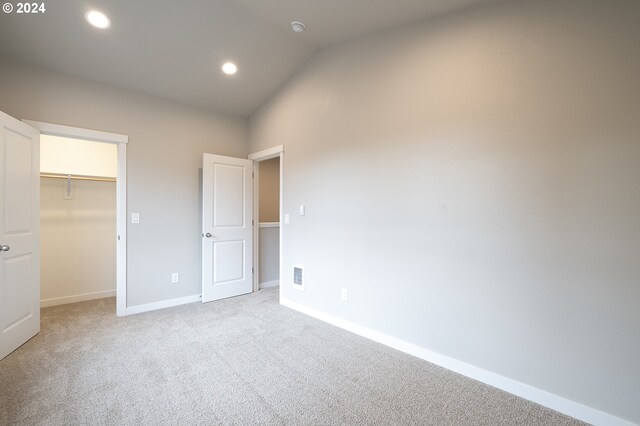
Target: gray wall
[474,182]
[164,155]
[269,255]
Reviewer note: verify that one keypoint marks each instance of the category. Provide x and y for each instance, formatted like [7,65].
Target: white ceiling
[174,49]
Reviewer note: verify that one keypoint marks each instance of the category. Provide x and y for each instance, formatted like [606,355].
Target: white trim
[121,195]
[281,218]
[267,154]
[267,284]
[55,301]
[75,132]
[269,224]
[131,310]
[121,229]
[539,396]
[256,231]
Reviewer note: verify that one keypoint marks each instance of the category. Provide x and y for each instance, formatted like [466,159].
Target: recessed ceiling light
[98,19]
[229,68]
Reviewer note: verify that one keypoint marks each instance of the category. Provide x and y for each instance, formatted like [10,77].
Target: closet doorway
[82,215]
[267,214]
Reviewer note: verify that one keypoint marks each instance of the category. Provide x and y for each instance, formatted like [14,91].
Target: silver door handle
[208,235]
[4,248]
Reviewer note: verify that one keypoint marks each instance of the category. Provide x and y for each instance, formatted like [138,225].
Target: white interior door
[227,245]
[19,234]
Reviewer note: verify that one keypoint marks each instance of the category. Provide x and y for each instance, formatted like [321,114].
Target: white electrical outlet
[286,218]
[135,217]
[343,294]
[175,278]
[302,210]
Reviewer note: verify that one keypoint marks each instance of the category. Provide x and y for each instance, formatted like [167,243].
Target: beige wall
[77,241]
[269,181]
[164,155]
[473,181]
[70,156]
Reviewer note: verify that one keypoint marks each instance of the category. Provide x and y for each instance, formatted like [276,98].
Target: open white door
[19,233]
[227,224]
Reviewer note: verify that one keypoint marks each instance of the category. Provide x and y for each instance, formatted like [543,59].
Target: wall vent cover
[297,275]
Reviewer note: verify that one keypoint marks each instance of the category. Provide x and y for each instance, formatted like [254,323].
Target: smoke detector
[298,26]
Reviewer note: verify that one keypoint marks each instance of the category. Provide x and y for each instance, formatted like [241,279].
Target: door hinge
[252,222]
[252,269]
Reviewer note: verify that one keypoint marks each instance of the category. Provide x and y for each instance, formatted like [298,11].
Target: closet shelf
[77,177]
[269,224]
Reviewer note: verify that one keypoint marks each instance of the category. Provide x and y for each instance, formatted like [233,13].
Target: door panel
[17,177]
[228,203]
[20,307]
[226,227]
[19,233]
[231,254]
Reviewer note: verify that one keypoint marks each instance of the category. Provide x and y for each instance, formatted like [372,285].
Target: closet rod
[77,177]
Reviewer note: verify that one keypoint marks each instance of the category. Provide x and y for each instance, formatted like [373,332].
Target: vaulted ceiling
[174,49]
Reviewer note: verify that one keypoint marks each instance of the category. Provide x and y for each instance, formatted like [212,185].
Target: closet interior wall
[78,230]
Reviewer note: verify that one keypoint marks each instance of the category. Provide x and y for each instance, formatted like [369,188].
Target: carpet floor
[243,361]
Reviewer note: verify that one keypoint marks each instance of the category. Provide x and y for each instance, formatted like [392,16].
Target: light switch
[135,217]
[301,209]
[286,218]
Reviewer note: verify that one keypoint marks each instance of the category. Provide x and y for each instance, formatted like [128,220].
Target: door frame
[256,157]
[121,195]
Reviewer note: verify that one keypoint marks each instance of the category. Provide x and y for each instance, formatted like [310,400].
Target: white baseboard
[539,396]
[267,284]
[131,310]
[55,301]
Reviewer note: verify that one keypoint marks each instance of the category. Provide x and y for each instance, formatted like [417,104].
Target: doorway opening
[268,191]
[83,215]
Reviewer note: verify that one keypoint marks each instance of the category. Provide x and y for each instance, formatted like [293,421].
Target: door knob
[208,235]
[4,248]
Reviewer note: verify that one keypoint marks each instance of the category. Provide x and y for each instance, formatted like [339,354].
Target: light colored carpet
[245,360]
